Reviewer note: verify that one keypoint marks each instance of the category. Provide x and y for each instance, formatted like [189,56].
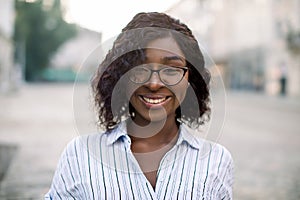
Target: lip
[154,98]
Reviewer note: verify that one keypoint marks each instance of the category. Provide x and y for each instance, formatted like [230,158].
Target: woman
[151,93]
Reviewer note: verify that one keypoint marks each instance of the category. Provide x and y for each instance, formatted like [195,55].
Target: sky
[110,16]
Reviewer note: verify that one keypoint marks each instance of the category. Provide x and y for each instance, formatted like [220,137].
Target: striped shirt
[102,166]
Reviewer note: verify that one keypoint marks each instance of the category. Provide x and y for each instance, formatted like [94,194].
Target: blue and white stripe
[102,166]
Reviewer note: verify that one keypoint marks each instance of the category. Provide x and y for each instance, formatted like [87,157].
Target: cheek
[130,90]
[127,86]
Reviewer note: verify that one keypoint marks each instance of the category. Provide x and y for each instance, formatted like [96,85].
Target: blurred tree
[39,31]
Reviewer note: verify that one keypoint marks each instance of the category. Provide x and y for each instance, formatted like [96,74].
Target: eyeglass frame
[185,69]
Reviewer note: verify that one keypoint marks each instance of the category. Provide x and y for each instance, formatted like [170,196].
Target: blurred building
[7,69]
[76,50]
[248,41]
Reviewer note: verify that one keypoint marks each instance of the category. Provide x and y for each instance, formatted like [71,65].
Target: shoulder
[209,149]
[85,144]
[218,149]
[81,144]
[215,164]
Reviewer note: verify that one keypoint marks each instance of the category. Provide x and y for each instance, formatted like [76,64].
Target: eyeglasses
[167,75]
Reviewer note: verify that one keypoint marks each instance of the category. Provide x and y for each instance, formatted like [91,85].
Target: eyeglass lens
[168,75]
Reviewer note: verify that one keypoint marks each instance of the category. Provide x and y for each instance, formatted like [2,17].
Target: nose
[154,82]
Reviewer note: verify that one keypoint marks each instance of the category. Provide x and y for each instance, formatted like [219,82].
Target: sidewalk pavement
[39,119]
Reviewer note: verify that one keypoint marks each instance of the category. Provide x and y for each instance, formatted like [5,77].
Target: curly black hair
[128,51]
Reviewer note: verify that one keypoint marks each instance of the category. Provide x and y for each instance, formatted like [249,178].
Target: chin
[155,116]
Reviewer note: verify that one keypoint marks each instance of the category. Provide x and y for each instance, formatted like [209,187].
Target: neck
[156,133]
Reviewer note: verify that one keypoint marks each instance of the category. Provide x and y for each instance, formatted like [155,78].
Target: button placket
[163,165]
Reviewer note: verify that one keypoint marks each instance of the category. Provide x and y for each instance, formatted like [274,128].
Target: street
[261,132]
[263,135]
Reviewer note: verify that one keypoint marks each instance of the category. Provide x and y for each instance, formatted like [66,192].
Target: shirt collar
[119,132]
[186,134]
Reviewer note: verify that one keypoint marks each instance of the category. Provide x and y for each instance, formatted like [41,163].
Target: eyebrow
[170,58]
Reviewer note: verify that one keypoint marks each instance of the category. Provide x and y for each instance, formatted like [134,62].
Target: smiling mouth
[154,100]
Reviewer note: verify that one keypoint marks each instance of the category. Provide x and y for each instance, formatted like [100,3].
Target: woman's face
[154,100]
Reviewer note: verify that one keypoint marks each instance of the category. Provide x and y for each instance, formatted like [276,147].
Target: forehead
[167,46]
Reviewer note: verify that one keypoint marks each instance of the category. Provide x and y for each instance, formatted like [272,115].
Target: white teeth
[154,101]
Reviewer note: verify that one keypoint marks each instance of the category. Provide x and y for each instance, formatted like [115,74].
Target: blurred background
[254,44]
